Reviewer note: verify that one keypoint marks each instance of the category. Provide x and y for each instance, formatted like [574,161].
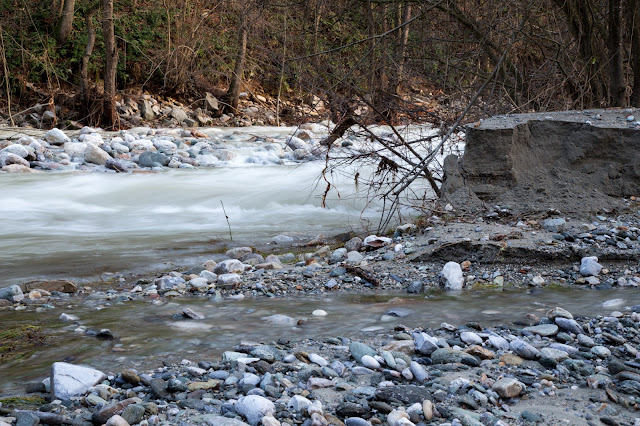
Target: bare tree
[634,14]
[66,20]
[617,95]
[233,93]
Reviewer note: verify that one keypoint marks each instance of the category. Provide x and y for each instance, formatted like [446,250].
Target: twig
[227,217]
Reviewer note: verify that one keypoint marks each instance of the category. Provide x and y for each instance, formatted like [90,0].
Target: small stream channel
[146,333]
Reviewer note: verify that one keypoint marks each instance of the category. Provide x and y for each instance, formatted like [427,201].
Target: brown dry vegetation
[388,59]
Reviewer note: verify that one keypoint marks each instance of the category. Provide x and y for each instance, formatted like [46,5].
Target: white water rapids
[80,225]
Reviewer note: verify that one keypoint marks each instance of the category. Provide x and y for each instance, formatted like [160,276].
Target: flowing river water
[81,225]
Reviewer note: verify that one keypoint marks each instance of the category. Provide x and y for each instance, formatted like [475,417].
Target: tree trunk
[401,49]
[617,96]
[85,92]
[66,21]
[109,115]
[233,94]
[634,13]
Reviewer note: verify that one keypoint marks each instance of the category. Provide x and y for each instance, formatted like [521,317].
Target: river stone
[424,343]
[373,241]
[104,414]
[130,376]
[370,362]
[545,330]
[585,340]
[17,149]
[450,356]
[356,421]
[149,158]
[7,159]
[75,149]
[569,325]
[117,420]
[7,293]
[499,342]
[419,372]
[358,350]
[508,387]
[68,380]
[470,338]
[523,349]
[559,312]
[466,417]
[589,266]
[216,420]
[229,266]
[229,279]
[480,352]
[354,244]
[56,136]
[556,355]
[601,351]
[315,358]
[452,276]
[407,394]
[96,155]
[133,414]
[298,404]
[254,408]
[554,225]
[63,286]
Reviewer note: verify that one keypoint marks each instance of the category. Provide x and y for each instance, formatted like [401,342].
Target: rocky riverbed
[551,369]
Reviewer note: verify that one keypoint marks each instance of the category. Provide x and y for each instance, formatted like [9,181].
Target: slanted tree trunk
[85,93]
[233,94]
[634,14]
[66,20]
[617,96]
[109,115]
[401,48]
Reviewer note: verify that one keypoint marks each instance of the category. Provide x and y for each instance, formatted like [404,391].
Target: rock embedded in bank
[69,380]
[589,266]
[452,276]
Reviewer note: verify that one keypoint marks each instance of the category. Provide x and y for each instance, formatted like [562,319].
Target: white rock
[298,404]
[229,266]
[117,421]
[370,362]
[229,279]
[613,303]
[96,155]
[315,358]
[56,137]
[18,150]
[254,408]
[589,266]
[92,138]
[376,242]
[319,313]
[296,143]
[499,342]
[75,149]
[470,338]
[280,319]
[452,276]
[67,317]
[68,380]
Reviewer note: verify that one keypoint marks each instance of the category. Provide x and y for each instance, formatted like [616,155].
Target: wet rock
[407,394]
[68,380]
[130,376]
[350,409]
[133,414]
[26,418]
[569,325]
[8,293]
[449,356]
[150,159]
[559,312]
[543,329]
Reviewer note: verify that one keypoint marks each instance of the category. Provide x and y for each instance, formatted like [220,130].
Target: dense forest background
[379,60]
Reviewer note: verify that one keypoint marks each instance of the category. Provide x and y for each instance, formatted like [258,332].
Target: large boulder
[68,380]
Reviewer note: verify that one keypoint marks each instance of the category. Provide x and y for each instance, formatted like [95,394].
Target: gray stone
[589,266]
[133,414]
[543,329]
[466,417]
[254,408]
[419,372]
[229,279]
[211,102]
[229,266]
[452,276]
[17,149]
[508,387]
[499,342]
[556,355]
[524,350]
[354,244]
[149,158]
[370,362]
[358,350]
[415,287]
[7,158]
[450,356]
[601,351]
[146,110]
[554,225]
[7,293]
[471,338]
[179,114]
[356,421]
[96,155]
[68,380]
[216,420]
[26,418]
[298,404]
[56,137]
[559,312]
[569,325]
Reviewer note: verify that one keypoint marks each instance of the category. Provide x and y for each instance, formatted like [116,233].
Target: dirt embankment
[577,162]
